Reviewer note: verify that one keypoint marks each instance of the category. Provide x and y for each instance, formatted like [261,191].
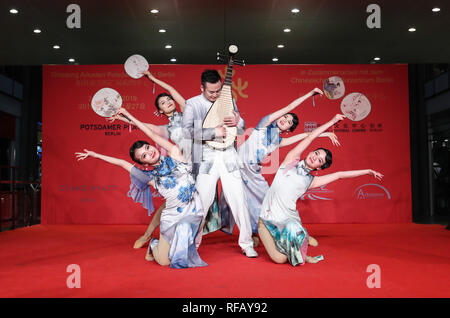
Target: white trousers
[233,190]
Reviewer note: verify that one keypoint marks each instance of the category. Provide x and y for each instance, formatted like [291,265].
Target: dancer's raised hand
[117,117]
[149,75]
[317,91]
[85,154]
[333,138]
[376,174]
[338,117]
[122,112]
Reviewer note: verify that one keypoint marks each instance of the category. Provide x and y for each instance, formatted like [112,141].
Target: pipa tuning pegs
[221,58]
[232,49]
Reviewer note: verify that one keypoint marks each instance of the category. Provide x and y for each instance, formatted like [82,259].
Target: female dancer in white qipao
[280,227]
[172,178]
[166,105]
[264,140]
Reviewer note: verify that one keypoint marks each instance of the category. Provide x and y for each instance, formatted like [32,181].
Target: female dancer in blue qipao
[171,177]
[265,139]
[166,105]
[280,228]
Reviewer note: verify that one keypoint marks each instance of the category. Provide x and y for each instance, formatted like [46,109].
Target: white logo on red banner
[371,191]
[317,194]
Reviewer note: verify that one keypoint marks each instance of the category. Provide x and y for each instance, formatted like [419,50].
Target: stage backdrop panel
[94,192]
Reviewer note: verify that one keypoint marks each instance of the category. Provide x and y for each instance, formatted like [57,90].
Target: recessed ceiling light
[71,60]
[154,11]
[13,11]
[287,30]
[37,31]
[295,10]
[275,59]
[280,46]
[412,30]
[376,58]
[173,59]
[436,9]
[56,47]
[162,31]
[168,46]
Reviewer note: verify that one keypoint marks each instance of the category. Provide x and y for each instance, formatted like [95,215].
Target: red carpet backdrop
[93,192]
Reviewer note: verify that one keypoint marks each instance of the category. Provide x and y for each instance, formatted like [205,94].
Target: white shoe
[250,252]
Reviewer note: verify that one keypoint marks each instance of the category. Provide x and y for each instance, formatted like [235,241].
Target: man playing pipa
[208,120]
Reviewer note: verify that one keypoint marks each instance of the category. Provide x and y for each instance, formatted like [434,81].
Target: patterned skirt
[291,239]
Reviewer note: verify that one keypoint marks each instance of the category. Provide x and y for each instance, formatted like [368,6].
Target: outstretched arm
[114,161]
[155,128]
[322,180]
[296,138]
[172,150]
[176,96]
[277,114]
[295,153]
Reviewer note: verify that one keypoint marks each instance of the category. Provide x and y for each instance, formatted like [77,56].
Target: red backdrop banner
[94,192]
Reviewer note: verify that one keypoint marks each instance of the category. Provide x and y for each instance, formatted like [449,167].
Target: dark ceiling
[324,32]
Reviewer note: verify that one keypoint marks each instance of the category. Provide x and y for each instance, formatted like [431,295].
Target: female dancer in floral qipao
[166,105]
[280,227]
[265,139]
[172,178]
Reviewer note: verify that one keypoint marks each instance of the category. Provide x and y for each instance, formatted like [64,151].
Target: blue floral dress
[174,128]
[279,211]
[175,132]
[261,143]
[183,214]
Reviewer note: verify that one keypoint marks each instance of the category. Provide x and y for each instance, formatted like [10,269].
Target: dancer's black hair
[159,96]
[328,158]
[294,121]
[137,144]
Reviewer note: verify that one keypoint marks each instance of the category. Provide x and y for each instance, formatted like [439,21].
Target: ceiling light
[13,11]
[412,30]
[71,60]
[56,47]
[154,11]
[287,30]
[280,46]
[37,31]
[173,59]
[434,9]
[162,31]
[295,10]
[168,46]
[376,58]
[275,59]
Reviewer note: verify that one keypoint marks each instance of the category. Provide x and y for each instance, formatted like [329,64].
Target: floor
[361,261]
